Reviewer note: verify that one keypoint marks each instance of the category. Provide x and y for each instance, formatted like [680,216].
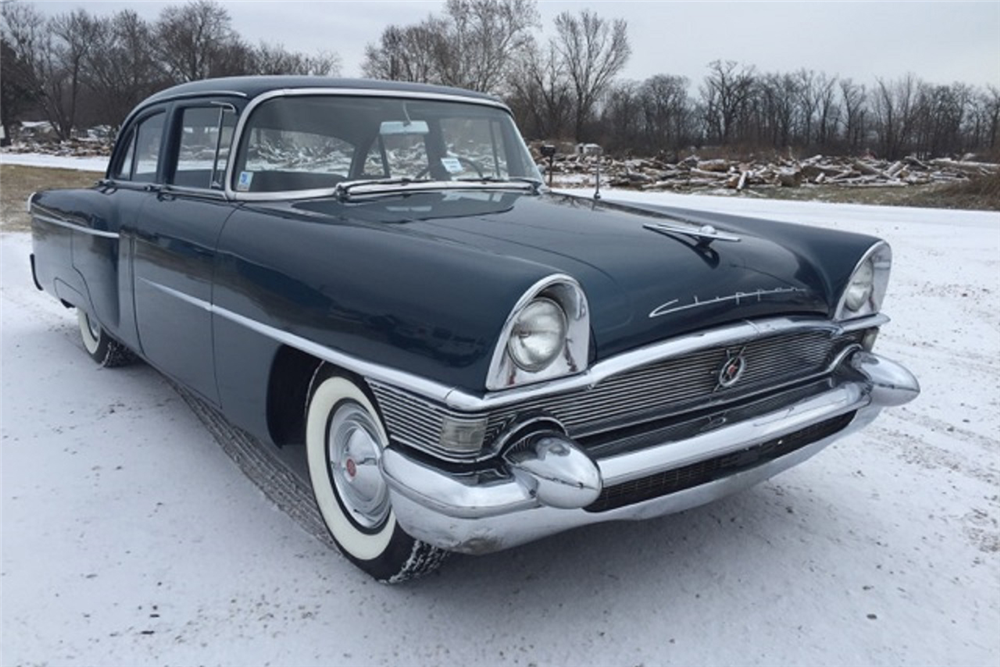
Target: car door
[175,240]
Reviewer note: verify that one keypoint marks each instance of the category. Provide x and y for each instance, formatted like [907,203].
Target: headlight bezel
[866,297]
[572,355]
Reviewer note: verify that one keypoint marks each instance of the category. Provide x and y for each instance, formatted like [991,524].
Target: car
[372,279]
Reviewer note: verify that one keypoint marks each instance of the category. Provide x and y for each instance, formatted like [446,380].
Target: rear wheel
[101,347]
[344,443]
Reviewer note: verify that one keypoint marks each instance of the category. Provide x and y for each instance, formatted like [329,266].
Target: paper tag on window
[246,178]
[452,164]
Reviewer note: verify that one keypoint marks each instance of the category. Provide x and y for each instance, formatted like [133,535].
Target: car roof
[252,86]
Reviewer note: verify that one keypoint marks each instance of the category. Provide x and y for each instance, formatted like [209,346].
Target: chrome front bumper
[546,484]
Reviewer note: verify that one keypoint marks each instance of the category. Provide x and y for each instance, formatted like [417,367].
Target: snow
[130,538]
[57,161]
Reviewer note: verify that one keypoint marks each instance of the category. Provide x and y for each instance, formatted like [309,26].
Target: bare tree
[17,90]
[593,51]
[276,59]
[406,53]
[120,67]
[725,95]
[483,39]
[666,112]
[540,95]
[854,102]
[893,106]
[196,41]
[621,118]
[37,47]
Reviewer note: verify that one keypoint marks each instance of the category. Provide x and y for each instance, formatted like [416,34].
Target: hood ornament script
[738,298]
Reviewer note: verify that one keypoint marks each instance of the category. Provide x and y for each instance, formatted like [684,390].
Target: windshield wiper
[535,185]
[343,189]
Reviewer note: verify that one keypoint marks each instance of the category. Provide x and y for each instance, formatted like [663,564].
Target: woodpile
[695,173]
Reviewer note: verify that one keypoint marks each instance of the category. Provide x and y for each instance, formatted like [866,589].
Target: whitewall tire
[344,442]
[101,347]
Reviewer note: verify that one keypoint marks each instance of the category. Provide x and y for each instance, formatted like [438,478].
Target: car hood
[642,285]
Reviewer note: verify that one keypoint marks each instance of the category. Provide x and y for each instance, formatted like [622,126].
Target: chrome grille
[683,383]
[654,391]
[410,419]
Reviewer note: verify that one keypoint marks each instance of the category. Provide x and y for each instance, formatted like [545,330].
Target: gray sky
[940,42]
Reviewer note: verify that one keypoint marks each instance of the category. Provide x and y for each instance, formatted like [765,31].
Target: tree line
[80,69]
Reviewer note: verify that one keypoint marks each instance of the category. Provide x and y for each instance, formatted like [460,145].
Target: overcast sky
[940,42]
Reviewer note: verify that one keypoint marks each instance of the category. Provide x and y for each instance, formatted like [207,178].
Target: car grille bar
[655,391]
[688,382]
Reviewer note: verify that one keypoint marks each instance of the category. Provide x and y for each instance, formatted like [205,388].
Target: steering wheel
[464,160]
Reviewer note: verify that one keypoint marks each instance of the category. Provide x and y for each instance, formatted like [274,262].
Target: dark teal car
[372,278]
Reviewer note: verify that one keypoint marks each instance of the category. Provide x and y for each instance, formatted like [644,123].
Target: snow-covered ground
[58,161]
[130,538]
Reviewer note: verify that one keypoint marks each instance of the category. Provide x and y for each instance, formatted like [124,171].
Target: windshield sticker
[452,164]
[246,178]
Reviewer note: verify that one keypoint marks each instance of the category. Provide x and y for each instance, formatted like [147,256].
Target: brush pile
[695,173]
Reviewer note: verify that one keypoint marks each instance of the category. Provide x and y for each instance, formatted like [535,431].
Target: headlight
[860,289]
[866,288]
[538,335]
[546,336]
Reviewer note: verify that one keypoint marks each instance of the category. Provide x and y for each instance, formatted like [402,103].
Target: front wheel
[344,443]
[101,347]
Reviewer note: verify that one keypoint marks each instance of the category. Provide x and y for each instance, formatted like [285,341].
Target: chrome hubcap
[353,451]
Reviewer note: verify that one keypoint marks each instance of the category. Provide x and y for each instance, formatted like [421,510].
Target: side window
[123,171]
[206,134]
[147,149]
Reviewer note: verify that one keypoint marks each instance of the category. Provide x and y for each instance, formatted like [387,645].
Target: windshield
[309,142]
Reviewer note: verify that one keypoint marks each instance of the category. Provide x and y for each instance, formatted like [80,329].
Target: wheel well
[287,391]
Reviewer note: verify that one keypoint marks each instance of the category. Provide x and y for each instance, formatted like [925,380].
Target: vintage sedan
[371,278]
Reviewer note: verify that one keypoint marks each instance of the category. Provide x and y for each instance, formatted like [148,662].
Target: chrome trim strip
[428,388]
[463,401]
[186,298]
[343,92]
[75,227]
[189,191]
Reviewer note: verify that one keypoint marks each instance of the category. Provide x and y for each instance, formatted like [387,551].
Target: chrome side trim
[463,401]
[58,222]
[428,388]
